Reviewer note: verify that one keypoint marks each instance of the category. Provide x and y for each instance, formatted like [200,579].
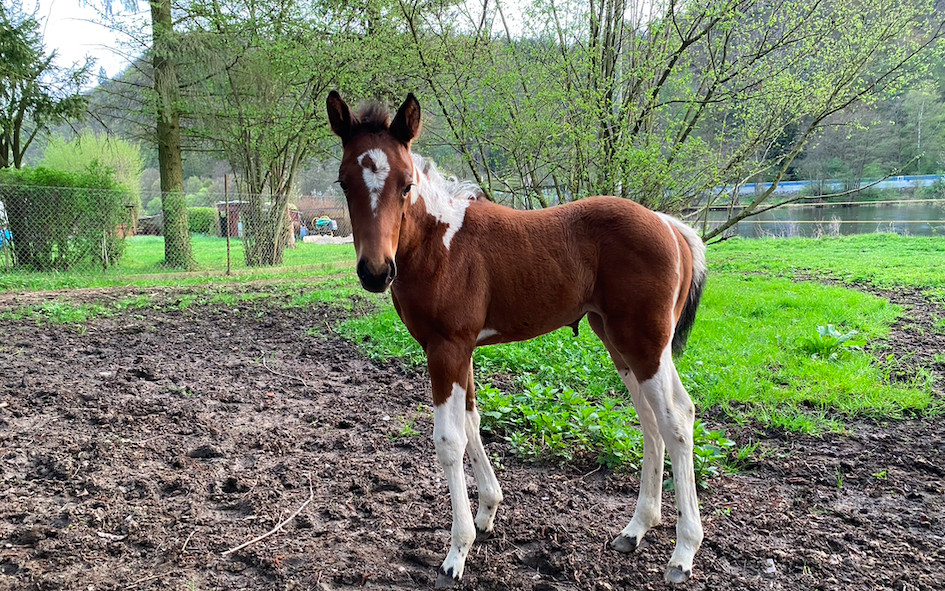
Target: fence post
[226,205]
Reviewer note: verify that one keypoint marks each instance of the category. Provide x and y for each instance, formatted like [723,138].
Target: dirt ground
[135,450]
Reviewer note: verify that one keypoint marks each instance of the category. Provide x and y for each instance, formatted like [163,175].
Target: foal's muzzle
[376,279]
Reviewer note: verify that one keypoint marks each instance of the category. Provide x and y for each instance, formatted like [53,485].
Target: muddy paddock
[136,449]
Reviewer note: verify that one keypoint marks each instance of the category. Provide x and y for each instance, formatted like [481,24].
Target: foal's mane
[432,181]
[372,117]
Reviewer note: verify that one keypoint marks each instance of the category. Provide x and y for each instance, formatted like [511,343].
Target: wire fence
[77,230]
[81,230]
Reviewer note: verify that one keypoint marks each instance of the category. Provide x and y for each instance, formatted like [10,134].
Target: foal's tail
[688,316]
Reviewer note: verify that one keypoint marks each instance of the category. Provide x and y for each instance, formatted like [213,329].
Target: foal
[465,273]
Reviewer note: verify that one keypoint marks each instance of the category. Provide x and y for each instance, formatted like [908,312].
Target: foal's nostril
[363,270]
[377,278]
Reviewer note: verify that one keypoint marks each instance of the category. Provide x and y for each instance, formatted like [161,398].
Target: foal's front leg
[449,374]
[490,493]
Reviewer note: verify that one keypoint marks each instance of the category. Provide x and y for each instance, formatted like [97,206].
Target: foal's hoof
[444,580]
[482,535]
[624,544]
[676,575]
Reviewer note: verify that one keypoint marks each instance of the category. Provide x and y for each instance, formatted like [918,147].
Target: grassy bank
[883,261]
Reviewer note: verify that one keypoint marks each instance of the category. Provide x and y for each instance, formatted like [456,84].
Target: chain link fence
[79,230]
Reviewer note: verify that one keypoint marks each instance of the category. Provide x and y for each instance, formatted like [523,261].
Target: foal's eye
[344,187]
[406,191]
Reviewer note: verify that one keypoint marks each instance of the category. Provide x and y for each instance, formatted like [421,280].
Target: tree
[663,102]
[147,98]
[258,65]
[177,248]
[34,94]
[123,158]
[924,127]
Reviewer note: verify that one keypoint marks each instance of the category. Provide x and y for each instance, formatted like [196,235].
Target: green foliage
[546,423]
[934,191]
[60,218]
[203,220]
[711,450]
[201,198]
[123,158]
[830,343]
[34,93]
[153,206]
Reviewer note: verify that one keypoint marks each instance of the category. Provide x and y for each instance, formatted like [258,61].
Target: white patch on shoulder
[485,334]
[375,171]
[446,200]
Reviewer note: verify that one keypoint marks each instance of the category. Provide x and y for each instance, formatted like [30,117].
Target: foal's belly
[527,326]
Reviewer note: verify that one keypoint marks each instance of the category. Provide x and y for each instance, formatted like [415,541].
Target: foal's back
[540,270]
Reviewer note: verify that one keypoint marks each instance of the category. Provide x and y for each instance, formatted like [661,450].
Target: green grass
[885,261]
[61,312]
[141,265]
[748,355]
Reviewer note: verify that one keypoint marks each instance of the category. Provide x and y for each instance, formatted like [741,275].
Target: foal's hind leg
[647,513]
[663,403]
[675,415]
[490,494]
[648,510]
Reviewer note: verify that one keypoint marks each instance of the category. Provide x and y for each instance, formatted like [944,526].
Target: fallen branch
[187,541]
[278,526]
[283,375]
[148,578]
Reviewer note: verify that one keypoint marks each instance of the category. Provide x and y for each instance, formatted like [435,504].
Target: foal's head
[376,175]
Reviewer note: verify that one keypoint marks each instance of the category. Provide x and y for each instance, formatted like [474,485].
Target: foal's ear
[406,124]
[340,117]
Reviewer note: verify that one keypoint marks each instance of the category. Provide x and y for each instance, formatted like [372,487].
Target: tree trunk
[177,249]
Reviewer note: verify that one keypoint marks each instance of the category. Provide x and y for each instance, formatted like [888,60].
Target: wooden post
[226,204]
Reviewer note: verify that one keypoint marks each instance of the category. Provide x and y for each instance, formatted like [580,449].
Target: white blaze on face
[375,169]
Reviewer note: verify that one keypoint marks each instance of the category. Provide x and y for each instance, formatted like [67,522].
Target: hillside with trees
[674,105]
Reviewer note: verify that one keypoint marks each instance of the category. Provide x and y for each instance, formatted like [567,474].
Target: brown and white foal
[465,273]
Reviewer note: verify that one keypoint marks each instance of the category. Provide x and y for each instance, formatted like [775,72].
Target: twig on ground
[187,541]
[597,469]
[134,584]
[284,375]
[278,526]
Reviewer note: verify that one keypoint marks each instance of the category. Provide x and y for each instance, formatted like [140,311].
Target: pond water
[913,218]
